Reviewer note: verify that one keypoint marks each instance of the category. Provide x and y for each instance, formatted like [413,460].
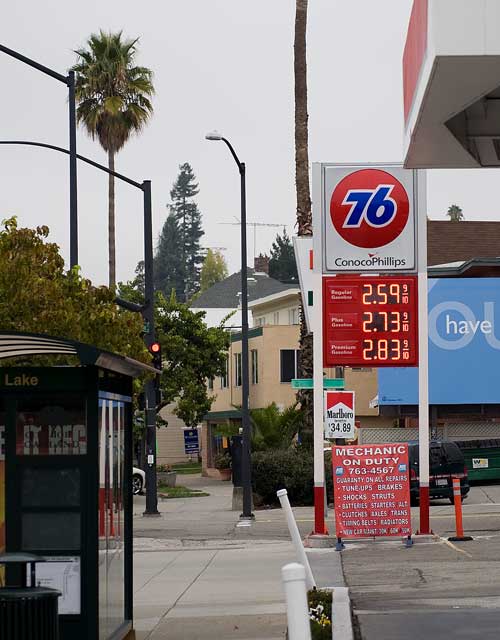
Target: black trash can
[27,612]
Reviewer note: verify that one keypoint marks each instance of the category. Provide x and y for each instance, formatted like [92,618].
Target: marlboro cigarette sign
[339,414]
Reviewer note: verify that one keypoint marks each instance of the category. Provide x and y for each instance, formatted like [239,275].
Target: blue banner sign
[464,347]
[191,442]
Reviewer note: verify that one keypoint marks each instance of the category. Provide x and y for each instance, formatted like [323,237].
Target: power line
[255,225]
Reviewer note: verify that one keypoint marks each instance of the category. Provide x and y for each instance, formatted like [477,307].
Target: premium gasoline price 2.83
[370,320]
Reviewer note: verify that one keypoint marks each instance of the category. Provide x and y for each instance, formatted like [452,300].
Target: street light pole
[245,383]
[69,81]
[73,205]
[147,311]
[150,385]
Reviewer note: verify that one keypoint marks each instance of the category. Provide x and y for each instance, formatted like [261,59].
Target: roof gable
[224,294]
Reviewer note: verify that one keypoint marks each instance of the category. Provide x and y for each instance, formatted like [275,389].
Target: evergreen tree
[214,270]
[282,265]
[168,263]
[134,290]
[188,217]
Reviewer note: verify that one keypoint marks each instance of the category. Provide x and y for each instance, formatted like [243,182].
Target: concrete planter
[166,478]
[225,474]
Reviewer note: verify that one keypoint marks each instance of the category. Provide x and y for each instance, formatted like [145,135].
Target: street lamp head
[214,135]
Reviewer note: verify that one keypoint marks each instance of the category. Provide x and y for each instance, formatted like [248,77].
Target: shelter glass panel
[50,426]
[2,487]
[50,530]
[110,517]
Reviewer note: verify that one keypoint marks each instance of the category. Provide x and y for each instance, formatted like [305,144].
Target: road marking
[455,548]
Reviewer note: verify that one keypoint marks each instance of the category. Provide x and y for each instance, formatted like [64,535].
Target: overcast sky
[218,64]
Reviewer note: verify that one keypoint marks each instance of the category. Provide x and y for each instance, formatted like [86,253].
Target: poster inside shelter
[371,490]
[2,495]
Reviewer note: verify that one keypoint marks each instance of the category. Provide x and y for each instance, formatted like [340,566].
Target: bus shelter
[66,478]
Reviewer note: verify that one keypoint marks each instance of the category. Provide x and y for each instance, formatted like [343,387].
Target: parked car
[138,480]
[445,462]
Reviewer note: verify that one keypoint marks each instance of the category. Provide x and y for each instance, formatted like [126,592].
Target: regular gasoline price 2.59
[370,320]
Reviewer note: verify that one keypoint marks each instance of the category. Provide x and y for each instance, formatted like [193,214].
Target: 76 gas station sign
[368,250]
[368,221]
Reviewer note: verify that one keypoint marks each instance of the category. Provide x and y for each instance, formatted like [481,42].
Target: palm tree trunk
[304,220]
[304,217]
[111,221]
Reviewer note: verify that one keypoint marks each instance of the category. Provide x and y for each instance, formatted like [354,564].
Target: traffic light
[155,350]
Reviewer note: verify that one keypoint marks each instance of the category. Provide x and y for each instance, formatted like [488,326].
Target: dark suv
[445,461]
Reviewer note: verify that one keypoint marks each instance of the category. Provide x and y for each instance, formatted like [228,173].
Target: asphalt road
[436,590]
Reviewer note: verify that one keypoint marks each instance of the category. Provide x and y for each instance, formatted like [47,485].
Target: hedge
[290,469]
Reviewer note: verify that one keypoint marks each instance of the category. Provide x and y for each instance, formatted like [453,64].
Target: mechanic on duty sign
[372,490]
[339,414]
[369,219]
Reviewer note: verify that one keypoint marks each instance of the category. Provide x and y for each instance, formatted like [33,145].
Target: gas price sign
[370,321]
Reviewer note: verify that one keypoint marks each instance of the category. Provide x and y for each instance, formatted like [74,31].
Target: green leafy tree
[282,265]
[192,352]
[168,262]
[134,290]
[113,97]
[188,218]
[455,213]
[274,429]
[39,296]
[214,270]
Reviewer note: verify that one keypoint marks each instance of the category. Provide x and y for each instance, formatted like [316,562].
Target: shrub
[290,469]
[222,460]
[273,428]
[320,613]
[164,468]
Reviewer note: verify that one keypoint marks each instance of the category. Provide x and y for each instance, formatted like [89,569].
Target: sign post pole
[316,278]
[423,357]
[319,464]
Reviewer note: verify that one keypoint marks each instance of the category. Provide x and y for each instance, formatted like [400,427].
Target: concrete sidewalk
[198,575]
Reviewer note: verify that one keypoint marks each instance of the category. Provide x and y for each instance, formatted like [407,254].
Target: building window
[224,377]
[293,316]
[255,366]
[237,369]
[211,384]
[289,364]
[276,317]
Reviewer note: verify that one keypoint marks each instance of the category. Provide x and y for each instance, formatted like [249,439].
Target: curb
[326,565]
[341,615]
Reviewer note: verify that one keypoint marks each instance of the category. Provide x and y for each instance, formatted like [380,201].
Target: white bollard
[297,612]
[295,535]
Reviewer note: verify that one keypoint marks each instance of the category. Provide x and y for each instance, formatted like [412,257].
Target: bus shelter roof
[18,344]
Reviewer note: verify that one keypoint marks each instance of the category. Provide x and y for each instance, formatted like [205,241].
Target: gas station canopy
[451,81]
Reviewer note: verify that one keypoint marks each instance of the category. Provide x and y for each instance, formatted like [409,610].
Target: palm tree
[455,213]
[113,102]
[304,217]
[275,429]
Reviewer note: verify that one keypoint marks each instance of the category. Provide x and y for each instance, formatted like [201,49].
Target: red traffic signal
[155,350]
